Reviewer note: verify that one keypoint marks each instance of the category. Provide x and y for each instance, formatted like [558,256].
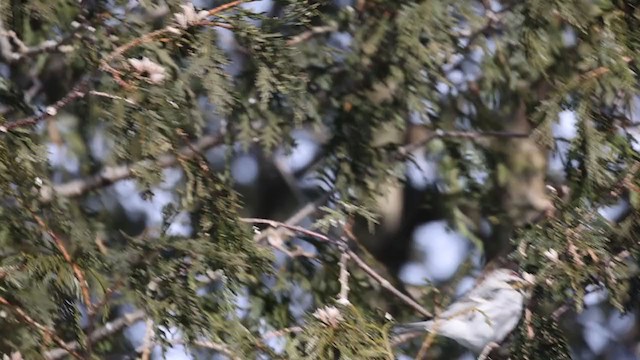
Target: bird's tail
[415,327]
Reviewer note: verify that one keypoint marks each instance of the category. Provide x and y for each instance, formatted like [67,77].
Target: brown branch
[361,263]
[296,218]
[97,335]
[226,6]
[45,330]
[148,37]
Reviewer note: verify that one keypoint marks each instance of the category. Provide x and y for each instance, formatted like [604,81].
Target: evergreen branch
[108,329]
[79,274]
[361,263]
[111,174]
[47,332]
[597,72]
[153,36]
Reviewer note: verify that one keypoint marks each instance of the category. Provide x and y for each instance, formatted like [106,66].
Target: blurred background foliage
[434,136]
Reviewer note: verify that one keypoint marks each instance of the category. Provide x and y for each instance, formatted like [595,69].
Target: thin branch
[227,6]
[282,332]
[299,229]
[48,332]
[343,296]
[111,174]
[296,218]
[111,96]
[148,37]
[310,33]
[361,263]
[77,92]
[387,285]
[275,236]
[221,348]
[108,329]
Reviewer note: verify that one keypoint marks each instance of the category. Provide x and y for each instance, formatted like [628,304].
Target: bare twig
[111,96]
[296,218]
[77,92]
[221,348]
[366,268]
[282,332]
[343,296]
[310,33]
[299,229]
[227,6]
[387,285]
[97,335]
[48,332]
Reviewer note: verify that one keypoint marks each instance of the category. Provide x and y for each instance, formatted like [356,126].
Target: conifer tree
[108,108]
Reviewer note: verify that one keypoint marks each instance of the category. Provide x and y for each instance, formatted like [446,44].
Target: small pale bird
[484,316]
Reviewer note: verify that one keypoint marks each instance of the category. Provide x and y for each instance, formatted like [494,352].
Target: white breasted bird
[484,316]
